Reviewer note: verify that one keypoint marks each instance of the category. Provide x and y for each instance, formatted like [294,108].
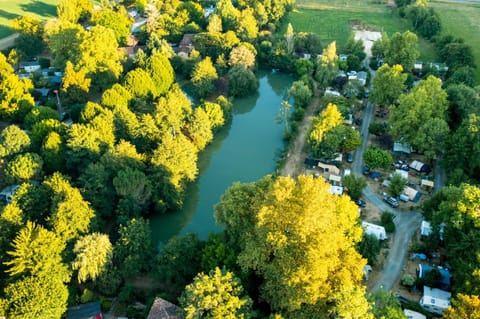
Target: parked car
[361,203]
[391,201]
[366,170]
[349,157]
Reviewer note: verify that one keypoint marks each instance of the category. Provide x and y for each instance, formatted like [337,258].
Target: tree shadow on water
[39,7]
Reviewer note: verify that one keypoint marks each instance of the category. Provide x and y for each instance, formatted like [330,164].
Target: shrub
[387,222]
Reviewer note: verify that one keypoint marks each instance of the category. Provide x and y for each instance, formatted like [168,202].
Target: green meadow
[462,20]
[10,9]
[333,20]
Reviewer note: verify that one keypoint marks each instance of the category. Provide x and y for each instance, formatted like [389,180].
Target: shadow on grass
[7,15]
[5,31]
[41,8]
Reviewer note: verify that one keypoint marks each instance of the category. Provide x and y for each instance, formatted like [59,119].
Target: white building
[410,314]
[375,230]
[435,300]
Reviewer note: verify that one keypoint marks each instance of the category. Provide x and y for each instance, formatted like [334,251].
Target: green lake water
[244,151]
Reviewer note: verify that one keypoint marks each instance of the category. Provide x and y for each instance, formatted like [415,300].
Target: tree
[64,43]
[248,28]
[463,306]
[375,157]
[73,11]
[355,185]
[242,55]
[284,116]
[369,248]
[303,67]
[161,72]
[397,185]
[30,36]
[216,253]
[290,39]
[140,85]
[328,119]
[53,153]
[281,212]
[118,20]
[402,49]
[134,189]
[327,65]
[241,81]
[301,93]
[13,140]
[179,261]
[386,305]
[92,253]
[216,295]
[203,77]
[420,117]
[200,128]
[388,84]
[133,251]
[228,13]
[24,167]
[386,220]
[75,85]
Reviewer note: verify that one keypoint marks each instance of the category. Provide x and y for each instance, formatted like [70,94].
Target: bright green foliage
[241,81]
[457,208]
[64,43]
[179,261]
[215,114]
[328,119]
[397,185]
[71,216]
[386,305]
[41,129]
[36,297]
[92,253]
[200,128]
[37,252]
[139,83]
[74,10]
[402,49]
[116,19]
[228,13]
[12,219]
[376,157]
[355,185]
[161,71]
[301,94]
[327,65]
[242,55]
[214,24]
[133,251]
[248,28]
[217,295]
[24,167]
[13,140]
[464,306]
[388,84]
[30,36]
[38,114]
[100,62]
[408,280]
[75,85]
[369,248]
[276,222]
[53,153]
[420,117]
[116,96]
[172,111]
[204,76]
[179,156]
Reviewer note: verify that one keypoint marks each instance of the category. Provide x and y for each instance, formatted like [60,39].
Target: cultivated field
[10,9]
[333,19]
[462,19]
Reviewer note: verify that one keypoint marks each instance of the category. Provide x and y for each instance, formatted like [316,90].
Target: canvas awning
[427,183]
[334,178]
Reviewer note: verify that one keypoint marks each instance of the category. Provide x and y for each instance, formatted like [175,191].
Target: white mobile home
[435,300]
[410,314]
[375,230]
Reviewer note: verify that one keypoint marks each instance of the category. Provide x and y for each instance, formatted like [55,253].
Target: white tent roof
[334,178]
[410,192]
[416,165]
[425,228]
[402,173]
[426,182]
[336,190]
[375,230]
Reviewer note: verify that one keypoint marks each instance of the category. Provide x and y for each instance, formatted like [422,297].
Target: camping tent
[412,194]
[402,173]
[375,230]
[402,148]
[420,167]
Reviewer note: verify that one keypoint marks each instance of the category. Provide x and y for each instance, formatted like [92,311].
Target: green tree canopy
[116,19]
[327,65]
[388,84]
[376,157]
[241,81]
[13,140]
[402,49]
[216,295]
[24,167]
[92,254]
[203,77]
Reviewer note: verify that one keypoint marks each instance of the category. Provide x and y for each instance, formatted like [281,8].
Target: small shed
[375,230]
[327,168]
[410,314]
[425,228]
[435,300]
[420,167]
[334,178]
[336,190]
[89,310]
[402,148]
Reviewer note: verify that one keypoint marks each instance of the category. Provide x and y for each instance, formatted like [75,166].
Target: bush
[369,248]
[387,222]
[87,296]
[408,280]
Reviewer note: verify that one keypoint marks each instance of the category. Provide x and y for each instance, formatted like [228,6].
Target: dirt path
[294,162]
[8,42]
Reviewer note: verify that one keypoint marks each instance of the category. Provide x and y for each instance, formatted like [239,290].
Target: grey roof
[162,309]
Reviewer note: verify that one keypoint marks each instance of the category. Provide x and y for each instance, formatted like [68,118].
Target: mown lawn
[10,9]
[462,20]
[332,20]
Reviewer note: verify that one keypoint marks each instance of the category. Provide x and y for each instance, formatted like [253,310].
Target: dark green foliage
[376,129]
[355,185]
[369,248]
[387,221]
[179,261]
[216,253]
[241,81]
[397,185]
[386,305]
[375,157]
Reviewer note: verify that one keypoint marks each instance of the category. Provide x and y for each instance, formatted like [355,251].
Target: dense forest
[119,138]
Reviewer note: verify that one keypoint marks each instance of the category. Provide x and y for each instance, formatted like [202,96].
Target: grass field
[462,20]
[10,9]
[332,20]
